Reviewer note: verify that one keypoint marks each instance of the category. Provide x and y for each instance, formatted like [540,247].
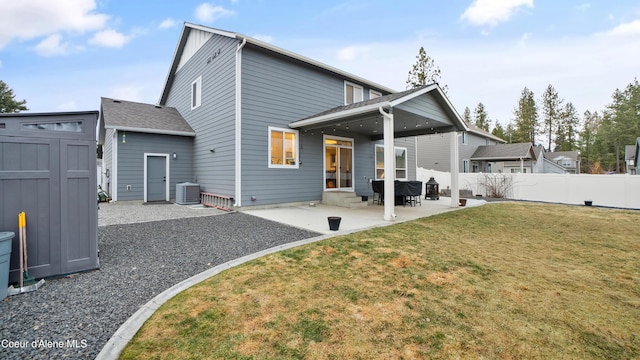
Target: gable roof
[146,118]
[184,35]
[387,101]
[478,131]
[629,152]
[499,152]
[558,155]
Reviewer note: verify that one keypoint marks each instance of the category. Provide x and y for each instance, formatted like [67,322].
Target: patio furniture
[378,191]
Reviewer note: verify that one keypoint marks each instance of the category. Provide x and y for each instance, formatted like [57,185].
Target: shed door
[156,178]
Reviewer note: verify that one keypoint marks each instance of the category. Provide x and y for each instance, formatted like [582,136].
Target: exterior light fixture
[175,156]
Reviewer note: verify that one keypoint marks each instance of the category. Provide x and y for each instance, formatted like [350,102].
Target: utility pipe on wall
[238,128]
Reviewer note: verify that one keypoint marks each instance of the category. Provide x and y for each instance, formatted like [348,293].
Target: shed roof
[629,152]
[499,152]
[147,118]
[478,131]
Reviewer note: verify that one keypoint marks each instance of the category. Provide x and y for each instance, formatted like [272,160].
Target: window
[196,93]
[465,166]
[517,170]
[489,167]
[464,138]
[475,168]
[566,162]
[374,94]
[283,148]
[401,162]
[352,93]
[68,126]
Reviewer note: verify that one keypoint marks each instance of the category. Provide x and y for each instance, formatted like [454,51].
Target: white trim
[151,131]
[374,92]
[297,145]
[338,115]
[114,166]
[166,174]
[354,86]
[324,163]
[238,127]
[198,93]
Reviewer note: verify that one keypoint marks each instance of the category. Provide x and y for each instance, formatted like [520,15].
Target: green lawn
[506,281]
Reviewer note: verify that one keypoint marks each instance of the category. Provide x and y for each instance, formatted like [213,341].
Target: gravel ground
[138,261]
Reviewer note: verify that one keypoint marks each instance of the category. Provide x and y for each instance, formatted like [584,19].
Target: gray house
[630,159]
[434,154]
[570,160]
[274,127]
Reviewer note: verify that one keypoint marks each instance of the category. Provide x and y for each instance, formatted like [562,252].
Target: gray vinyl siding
[276,92]
[427,107]
[107,159]
[214,120]
[131,161]
[434,151]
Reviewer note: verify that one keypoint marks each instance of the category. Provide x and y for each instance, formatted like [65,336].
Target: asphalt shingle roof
[152,118]
[503,151]
[557,155]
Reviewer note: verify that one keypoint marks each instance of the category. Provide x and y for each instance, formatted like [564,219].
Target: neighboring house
[570,160]
[274,127]
[434,154]
[147,150]
[637,156]
[630,159]
[505,158]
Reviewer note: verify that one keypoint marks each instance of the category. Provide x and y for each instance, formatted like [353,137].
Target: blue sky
[64,55]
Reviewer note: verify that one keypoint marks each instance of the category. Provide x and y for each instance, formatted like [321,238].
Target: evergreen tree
[586,139]
[551,108]
[526,118]
[466,116]
[499,131]
[424,72]
[567,129]
[8,103]
[481,118]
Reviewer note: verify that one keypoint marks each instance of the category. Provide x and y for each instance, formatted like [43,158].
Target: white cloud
[52,46]
[70,105]
[109,38]
[207,12]
[127,92]
[493,12]
[631,28]
[167,23]
[29,19]
[355,52]
[583,7]
[265,38]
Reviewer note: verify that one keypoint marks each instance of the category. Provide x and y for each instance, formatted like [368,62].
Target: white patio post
[521,166]
[455,193]
[389,165]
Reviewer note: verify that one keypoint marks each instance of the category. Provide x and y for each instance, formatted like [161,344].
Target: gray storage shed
[48,170]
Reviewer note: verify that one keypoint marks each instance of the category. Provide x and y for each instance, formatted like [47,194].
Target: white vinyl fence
[621,191]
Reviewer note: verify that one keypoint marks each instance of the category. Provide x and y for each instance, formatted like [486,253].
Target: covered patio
[420,111]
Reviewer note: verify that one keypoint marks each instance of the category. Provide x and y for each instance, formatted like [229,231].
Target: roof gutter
[151,131]
[339,115]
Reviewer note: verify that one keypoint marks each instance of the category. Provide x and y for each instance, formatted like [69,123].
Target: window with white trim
[283,148]
[196,93]
[352,93]
[374,94]
[400,162]
[465,166]
[464,138]
[566,162]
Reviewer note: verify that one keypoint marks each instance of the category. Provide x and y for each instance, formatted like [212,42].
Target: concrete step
[343,199]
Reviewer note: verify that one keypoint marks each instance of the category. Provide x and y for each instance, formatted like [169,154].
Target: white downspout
[389,164]
[455,168]
[238,140]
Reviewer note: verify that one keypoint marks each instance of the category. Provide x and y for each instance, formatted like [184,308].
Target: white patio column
[521,166]
[455,166]
[389,165]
